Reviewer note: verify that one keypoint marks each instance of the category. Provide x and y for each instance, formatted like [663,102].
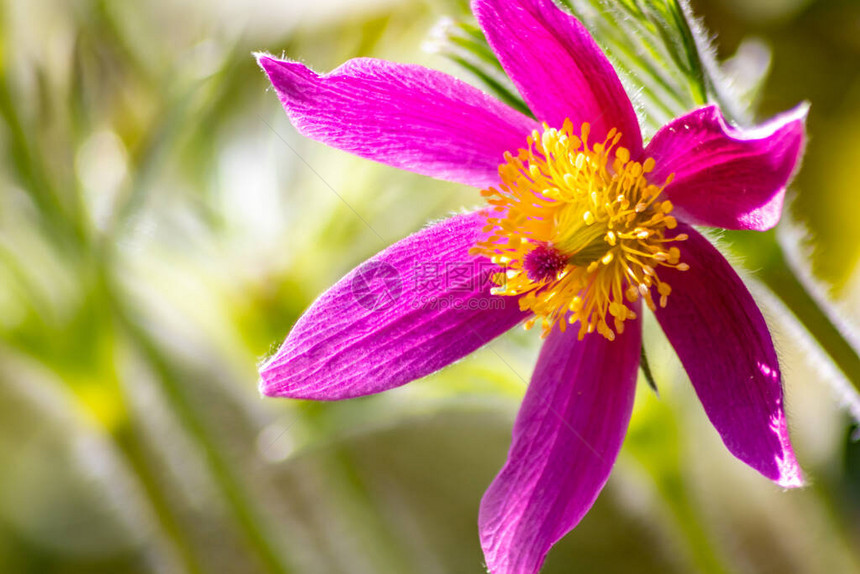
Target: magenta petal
[724,344]
[558,67]
[725,176]
[402,115]
[566,439]
[414,308]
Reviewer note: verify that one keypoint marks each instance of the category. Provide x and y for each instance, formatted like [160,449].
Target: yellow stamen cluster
[580,231]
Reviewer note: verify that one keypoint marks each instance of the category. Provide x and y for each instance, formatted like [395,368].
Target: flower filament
[580,231]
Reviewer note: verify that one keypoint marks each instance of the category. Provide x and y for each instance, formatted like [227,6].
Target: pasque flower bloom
[584,223]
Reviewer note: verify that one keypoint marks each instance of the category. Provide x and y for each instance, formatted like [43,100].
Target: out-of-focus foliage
[162,226]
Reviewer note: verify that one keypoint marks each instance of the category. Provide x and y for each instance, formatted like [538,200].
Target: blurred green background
[161,227]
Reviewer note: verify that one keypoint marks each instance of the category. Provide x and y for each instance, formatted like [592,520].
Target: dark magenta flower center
[544,263]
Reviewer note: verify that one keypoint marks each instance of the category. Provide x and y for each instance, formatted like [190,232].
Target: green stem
[690,49]
[783,280]
[496,87]
[707,71]
[782,276]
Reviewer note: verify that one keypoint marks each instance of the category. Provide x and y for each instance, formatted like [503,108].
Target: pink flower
[584,223]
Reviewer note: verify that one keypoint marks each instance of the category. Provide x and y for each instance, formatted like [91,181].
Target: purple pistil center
[544,263]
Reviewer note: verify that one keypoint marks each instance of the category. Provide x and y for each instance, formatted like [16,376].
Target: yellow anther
[632,294]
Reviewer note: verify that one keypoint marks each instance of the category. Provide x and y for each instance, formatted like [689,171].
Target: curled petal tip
[799,112]
[726,176]
[803,109]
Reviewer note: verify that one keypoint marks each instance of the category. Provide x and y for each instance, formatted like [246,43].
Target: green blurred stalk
[33,174]
[354,500]
[779,273]
[671,487]
[783,280]
[246,514]
[657,443]
[134,449]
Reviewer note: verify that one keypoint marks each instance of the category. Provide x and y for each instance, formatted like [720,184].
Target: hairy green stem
[767,257]
[783,280]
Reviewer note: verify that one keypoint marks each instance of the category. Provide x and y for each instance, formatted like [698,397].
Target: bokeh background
[162,226]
